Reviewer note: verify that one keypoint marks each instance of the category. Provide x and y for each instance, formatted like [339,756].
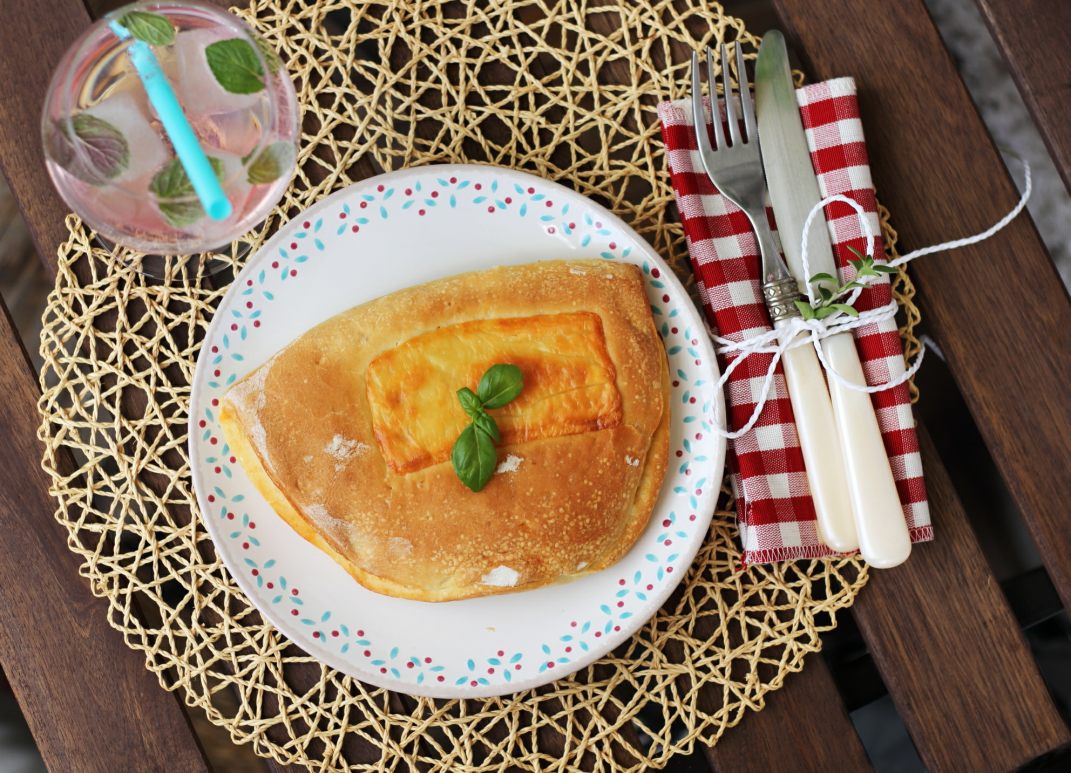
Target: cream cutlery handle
[821,446]
[879,517]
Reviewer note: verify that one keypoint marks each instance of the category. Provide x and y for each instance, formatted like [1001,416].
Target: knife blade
[878,516]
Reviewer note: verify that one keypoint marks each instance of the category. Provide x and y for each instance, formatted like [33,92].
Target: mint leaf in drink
[175,196]
[474,457]
[88,147]
[153,28]
[499,385]
[235,65]
[271,58]
[271,164]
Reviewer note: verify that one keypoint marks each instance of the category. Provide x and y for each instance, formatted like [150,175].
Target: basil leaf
[153,28]
[806,310]
[470,402]
[235,65]
[272,163]
[487,424]
[271,58]
[175,197]
[90,148]
[499,385]
[824,312]
[474,457]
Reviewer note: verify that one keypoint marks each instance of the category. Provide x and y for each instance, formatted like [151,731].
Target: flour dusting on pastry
[501,577]
[511,463]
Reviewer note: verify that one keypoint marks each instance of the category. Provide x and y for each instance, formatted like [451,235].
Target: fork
[735,168]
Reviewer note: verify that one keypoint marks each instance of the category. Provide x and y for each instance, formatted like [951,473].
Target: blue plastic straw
[190,154]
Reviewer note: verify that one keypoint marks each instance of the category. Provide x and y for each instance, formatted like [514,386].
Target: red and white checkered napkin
[776,514]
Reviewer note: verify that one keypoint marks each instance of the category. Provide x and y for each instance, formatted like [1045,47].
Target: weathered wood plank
[803,727]
[87,697]
[1035,36]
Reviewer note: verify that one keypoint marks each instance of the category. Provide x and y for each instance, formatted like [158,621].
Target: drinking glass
[114,163]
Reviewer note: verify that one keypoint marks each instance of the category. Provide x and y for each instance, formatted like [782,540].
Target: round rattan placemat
[560,88]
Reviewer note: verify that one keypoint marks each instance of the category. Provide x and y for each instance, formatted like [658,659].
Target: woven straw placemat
[560,88]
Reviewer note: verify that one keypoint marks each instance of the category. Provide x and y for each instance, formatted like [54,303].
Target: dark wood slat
[35,37]
[804,727]
[87,697]
[951,652]
[1035,36]
[998,309]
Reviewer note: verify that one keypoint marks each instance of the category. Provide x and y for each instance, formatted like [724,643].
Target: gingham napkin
[775,511]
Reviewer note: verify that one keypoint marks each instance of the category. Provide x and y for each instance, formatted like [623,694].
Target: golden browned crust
[563,506]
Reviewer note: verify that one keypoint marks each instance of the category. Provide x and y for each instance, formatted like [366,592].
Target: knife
[879,518]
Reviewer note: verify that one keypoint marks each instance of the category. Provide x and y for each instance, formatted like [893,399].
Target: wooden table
[940,629]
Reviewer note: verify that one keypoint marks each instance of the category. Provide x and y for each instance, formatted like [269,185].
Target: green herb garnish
[175,195]
[235,65]
[473,455]
[153,28]
[830,291]
[271,57]
[271,163]
[89,148]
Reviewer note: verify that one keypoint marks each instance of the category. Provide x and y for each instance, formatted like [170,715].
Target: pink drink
[110,158]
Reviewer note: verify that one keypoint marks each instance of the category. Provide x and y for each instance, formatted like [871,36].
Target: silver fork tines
[735,168]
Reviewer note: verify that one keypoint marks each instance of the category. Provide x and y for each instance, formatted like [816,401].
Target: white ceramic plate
[379,236]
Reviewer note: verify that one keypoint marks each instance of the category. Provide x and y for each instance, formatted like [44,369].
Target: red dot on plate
[356,228]
[688,471]
[364,205]
[698,492]
[650,587]
[234,326]
[691,517]
[621,603]
[669,569]
[233,460]
[613,246]
[656,273]
[694,341]
[573,624]
[691,400]
[380,188]
[275,264]
[501,653]
[427,660]
[665,299]
[568,649]
[215,401]
[598,634]
[293,612]
[316,634]
[509,200]
[697,362]
[256,572]
[698,435]
[215,349]
[550,230]
[211,498]
[668,542]
[490,670]
[248,282]
[294,592]
[409,664]
[422,212]
[383,670]
[245,546]
[490,209]
[666,522]
[572,225]
[341,215]
[202,423]
[249,304]
[550,664]
[360,633]
[216,373]
[368,653]
[256,323]
[598,224]
[408,191]
[550,203]
[617,628]
[293,272]
[271,585]
[334,633]
[517,667]
[230,516]
[676,383]
[440,677]
[252,524]
[473,683]
[680,454]
[673,330]
[453,180]
[435,194]
[213,440]
[218,471]
[293,245]
[477,186]
[306,224]
[621,582]
[531,190]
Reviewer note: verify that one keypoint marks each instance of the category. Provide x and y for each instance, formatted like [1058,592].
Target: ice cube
[196,86]
[148,151]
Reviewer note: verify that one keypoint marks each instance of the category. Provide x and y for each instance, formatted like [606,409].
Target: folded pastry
[347,432]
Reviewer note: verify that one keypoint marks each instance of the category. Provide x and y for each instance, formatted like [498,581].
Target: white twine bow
[800,332]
